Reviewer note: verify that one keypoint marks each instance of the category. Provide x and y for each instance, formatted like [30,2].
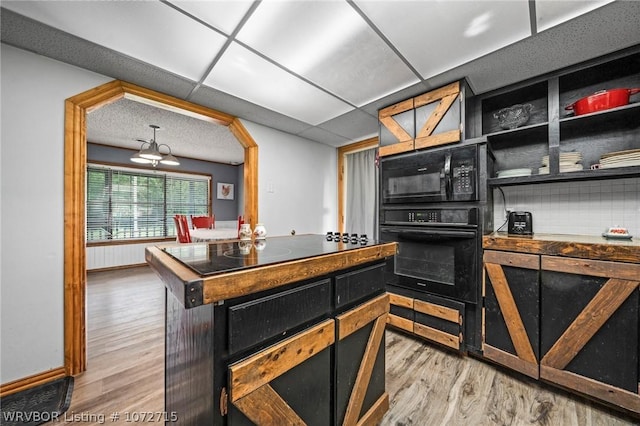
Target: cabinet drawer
[439,320]
[254,322]
[357,285]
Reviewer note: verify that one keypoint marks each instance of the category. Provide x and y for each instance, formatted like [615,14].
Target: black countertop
[213,258]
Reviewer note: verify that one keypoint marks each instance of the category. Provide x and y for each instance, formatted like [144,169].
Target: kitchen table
[204,234]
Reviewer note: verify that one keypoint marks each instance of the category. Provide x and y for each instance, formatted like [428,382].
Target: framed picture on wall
[225,191]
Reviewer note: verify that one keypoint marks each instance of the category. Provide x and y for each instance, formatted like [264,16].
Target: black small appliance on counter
[520,223]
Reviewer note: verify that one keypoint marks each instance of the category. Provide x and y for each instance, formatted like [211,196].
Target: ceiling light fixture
[150,152]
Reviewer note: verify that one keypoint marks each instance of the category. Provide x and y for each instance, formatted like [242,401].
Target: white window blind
[125,204]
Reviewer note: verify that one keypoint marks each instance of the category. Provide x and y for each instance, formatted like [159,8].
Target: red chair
[240,222]
[208,222]
[182,228]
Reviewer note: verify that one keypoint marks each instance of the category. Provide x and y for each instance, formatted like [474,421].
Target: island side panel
[189,372]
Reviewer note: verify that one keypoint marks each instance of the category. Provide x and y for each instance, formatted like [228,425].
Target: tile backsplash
[577,208]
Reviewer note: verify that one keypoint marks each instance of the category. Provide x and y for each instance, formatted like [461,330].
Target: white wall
[297,190]
[576,208]
[297,183]
[33,91]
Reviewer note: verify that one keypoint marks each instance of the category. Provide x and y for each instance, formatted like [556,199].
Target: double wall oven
[434,204]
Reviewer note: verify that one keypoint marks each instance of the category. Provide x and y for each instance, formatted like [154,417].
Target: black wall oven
[436,205]
[438,251]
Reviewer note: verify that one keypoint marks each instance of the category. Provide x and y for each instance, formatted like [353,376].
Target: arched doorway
[75,152]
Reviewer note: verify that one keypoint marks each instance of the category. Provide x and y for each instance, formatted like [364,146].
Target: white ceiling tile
[327,42]
[435,36]
[553,12]
[223,15]
[250,77]
[149,31]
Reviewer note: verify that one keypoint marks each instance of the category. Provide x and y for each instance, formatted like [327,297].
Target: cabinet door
[589,328]
[397,128]
[511,306]
[286,384]
[438,116]
[360,387]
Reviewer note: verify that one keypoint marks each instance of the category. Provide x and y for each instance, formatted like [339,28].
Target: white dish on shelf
[514,173]
[617,236]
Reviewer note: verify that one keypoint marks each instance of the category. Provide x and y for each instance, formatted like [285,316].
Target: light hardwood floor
[427,385]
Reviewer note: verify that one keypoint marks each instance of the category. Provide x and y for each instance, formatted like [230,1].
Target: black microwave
[430,176]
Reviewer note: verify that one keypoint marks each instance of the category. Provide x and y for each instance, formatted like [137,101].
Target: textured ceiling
[317,69]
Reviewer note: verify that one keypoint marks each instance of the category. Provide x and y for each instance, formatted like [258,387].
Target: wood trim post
[75,149]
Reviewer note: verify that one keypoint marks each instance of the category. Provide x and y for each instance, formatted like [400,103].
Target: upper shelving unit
[549,143]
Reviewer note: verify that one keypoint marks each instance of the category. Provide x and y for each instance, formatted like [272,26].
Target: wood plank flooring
[427,385]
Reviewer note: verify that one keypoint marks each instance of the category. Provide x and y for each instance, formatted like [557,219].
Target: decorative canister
[260,232]
[245,231]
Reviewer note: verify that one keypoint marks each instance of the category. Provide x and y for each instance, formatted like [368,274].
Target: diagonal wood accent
[357,318]
[510,312]
[364,373]
[385,116]
[251,373]
[436,116]
[612,294]
[265,407]
[376,412]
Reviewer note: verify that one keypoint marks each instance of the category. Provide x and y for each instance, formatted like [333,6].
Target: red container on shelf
[602,100]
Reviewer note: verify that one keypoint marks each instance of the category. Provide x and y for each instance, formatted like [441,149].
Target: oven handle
[431,235]
[447,176]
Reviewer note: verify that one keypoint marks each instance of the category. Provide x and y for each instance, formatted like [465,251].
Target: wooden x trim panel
[608,299]
[264,406]
[375,310]
[510,312]
[436,116]
[364,372]
[385,116]
[256,371]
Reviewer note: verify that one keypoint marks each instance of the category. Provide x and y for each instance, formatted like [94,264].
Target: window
[124,203]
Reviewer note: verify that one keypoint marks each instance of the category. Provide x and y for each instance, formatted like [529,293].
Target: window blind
[127,204]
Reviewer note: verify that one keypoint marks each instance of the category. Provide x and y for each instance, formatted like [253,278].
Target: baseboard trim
[32,381]
[115,268]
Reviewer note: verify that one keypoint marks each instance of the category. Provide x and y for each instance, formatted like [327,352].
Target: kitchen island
[288,330]
[566,309]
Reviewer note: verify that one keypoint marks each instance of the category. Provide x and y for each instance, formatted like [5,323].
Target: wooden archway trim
[75,154]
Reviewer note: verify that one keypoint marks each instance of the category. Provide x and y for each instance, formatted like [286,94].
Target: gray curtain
[361,197]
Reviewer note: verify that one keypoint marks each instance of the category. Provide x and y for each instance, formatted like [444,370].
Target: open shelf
[616,173]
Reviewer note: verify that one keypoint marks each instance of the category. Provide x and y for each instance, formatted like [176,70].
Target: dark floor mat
[37,405]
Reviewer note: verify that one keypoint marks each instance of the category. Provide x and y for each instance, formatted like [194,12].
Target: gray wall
[223,209]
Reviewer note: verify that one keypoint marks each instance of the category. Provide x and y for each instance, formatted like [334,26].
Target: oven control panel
[432,216]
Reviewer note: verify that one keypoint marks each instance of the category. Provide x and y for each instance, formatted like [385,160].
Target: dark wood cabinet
[511,310]
[311,352]
[589,333]
[430,119]
[553,311]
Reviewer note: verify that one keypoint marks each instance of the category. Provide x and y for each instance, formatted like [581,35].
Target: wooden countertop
[193,289]
[580,246]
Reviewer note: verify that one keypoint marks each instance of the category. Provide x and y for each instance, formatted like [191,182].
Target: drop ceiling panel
[550,13]
[436,36]
[149,31]
[328,43]
[257,80]
[223,15]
